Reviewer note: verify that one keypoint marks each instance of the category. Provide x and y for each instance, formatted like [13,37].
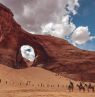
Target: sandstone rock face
[55,54]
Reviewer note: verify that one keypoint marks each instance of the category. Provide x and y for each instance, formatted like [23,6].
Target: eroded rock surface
[55,54]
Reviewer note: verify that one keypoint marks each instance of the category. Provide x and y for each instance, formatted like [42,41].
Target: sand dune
[35,76]
[35,82]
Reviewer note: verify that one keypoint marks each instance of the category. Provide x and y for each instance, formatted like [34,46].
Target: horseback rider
[81,84]
[70,86]
[89,85]
[71,83]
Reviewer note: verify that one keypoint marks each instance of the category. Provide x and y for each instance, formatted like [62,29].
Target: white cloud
[27,12]
[65,27]
[92,37]
[47,29]
[68,25]
[36,12]
[81,35]
[39,12]
[72,6]
[57,31]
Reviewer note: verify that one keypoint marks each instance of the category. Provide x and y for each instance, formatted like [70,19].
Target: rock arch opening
[28,54]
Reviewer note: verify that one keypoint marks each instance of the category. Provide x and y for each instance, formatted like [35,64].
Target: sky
[72,20]
[86,17]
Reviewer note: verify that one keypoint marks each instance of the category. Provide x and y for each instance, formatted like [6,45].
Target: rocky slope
[55,54]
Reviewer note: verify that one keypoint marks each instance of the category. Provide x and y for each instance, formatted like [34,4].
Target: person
[0,80]
[71,83]
[71,86]
[89,85]
[80,84]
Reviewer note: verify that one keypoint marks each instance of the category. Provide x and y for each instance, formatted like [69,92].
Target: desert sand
[36,82]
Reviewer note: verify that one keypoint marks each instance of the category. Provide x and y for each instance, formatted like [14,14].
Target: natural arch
[56,54]
[12,37]
[41,55]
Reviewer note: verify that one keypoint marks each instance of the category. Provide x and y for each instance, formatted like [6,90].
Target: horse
[71,87]
[28,83]
[81,87]
[90,87]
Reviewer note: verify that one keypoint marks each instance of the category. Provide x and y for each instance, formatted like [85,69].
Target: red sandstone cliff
[55,54]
